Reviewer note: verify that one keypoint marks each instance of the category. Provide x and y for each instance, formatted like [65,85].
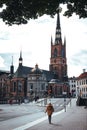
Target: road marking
[28,125]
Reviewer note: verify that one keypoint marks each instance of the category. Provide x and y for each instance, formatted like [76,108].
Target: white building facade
[36,83]
[81,85]
[72,84]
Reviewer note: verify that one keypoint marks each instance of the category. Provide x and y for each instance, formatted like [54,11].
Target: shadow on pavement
[55,124]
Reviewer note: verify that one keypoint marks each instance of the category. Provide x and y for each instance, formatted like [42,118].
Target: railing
[3,101]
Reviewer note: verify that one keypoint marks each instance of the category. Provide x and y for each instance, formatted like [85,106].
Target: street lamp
[64,94]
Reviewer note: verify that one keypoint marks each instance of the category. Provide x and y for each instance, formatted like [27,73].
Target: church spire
[64,40]
[58,30]
[12,60]
[20,59]
[51,40]
[12,67]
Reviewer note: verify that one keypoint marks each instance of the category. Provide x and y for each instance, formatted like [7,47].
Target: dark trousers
[49,118]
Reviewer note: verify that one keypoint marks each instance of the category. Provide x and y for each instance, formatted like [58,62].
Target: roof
[72,78]
[49,75]
[23,71]
[54,81]
[36,70]
[4,72]
[83,75]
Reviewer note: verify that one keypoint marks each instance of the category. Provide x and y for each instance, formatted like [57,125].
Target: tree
[20,11]
[76,6]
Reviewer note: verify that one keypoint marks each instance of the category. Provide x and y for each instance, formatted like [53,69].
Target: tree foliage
[20,11]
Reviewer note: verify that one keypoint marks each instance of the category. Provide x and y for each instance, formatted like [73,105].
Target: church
[28,82]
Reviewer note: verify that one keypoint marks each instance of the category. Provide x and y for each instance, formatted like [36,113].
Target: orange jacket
[49,109]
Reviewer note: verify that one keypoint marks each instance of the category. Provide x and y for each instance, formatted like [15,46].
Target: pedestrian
[10,101]
[49,110]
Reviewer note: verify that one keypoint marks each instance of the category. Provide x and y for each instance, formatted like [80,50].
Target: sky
[34,39]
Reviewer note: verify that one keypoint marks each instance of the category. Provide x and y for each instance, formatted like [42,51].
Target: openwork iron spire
[58,30]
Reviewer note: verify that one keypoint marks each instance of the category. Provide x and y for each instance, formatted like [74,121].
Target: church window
[63,53]
[14,87]
[55,53]
[19,86]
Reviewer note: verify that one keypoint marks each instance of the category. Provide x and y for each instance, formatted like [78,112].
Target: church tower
[58,61]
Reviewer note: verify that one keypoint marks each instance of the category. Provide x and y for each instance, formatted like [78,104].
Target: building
[58,64]
[72,85]
[37,84]
[4,89]
[58,61]
[81,85]
[28,82]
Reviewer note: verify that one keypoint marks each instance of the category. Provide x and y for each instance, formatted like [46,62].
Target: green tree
[20,11]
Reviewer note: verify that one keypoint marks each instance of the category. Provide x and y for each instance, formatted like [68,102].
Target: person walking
[49,110]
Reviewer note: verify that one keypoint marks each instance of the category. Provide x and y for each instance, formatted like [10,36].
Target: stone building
[37,84]
[27,80]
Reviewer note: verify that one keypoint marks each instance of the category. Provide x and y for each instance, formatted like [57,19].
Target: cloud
[34,39]
[80,58]
[77,62]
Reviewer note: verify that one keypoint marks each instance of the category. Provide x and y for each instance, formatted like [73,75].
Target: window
[86,89]
[42,86]
[82,82]
[31,86]
[74,85]
[14,89]
[82,89]
[63,53]
[55,52]
[86,81]
[19,86]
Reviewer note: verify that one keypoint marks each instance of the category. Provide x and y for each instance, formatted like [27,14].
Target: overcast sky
[34,39]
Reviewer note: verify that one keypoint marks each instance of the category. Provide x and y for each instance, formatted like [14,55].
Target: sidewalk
[75,118]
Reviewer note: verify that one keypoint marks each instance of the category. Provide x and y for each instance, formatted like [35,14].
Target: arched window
[19,86]
[55,52]
[63,53]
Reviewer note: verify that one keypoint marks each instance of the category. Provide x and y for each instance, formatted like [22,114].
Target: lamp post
[77,92]
[64,94]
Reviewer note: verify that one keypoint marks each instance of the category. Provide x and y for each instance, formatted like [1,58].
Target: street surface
[14,116]
[75,118]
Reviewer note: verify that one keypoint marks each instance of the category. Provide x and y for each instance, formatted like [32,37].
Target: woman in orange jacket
[49,110]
